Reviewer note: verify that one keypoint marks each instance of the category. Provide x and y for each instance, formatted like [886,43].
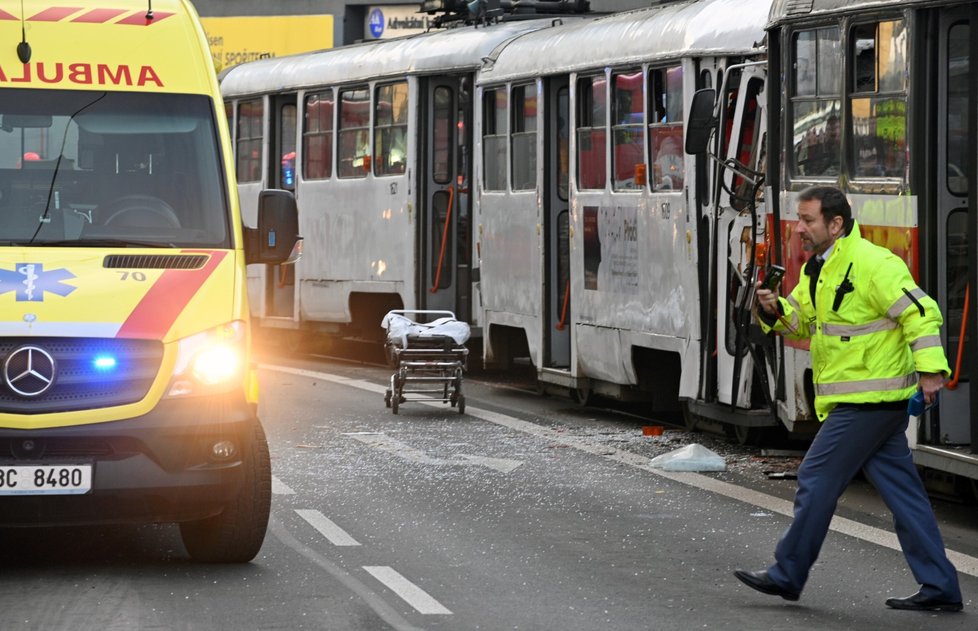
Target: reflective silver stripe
[794,303]
[927,341]
[901,305]
[869,385]
[852,330]
[812,329]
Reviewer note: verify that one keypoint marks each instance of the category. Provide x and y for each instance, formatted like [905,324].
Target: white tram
[878,97]
[374,140]
[596,231]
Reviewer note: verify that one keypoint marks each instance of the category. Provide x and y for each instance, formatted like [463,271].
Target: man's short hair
[834,204]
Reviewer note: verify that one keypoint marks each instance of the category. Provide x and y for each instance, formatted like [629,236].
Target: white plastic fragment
[693,457]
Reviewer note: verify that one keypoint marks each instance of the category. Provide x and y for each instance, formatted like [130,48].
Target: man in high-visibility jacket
[875,341]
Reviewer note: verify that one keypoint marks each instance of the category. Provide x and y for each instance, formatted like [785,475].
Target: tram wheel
[581,395]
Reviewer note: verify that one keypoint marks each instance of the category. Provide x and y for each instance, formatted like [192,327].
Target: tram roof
[694,28]
[446,50]
[786,10]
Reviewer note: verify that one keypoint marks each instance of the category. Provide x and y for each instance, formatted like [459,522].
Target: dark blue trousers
[875,440]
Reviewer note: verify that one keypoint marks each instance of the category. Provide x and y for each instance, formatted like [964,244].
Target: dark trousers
[854,437]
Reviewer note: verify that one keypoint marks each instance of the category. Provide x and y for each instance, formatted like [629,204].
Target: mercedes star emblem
[29,371]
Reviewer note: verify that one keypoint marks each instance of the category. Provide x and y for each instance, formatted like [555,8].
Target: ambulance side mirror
[276,240]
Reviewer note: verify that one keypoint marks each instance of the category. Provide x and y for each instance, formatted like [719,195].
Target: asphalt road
[527,512]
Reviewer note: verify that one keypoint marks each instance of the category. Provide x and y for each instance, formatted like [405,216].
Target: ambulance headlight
[210,361]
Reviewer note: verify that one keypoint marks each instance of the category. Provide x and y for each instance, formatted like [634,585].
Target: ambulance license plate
[72,479]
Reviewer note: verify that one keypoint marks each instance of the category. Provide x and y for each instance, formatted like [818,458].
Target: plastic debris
[692,457]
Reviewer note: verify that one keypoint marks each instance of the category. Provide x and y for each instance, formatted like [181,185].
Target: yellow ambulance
[128,392]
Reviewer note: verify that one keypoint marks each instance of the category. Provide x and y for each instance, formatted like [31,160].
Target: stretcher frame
[429,368]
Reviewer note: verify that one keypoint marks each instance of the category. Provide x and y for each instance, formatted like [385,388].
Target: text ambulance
[127,389]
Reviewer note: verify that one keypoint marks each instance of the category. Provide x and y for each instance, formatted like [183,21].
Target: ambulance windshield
[81,168]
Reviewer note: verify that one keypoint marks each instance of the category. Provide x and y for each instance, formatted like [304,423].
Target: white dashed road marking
[393,446]
[408,591]
[281,488]
[336,535]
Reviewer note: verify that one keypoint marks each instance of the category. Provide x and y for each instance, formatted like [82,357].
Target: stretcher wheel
[387,398]
[394,403]
[461,404]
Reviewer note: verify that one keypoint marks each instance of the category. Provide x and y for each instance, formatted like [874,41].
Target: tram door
[556,220]
[446,251]
[743,142]
[955,142]
[280,279]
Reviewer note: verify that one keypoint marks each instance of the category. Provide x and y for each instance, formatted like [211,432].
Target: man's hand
[930,384]
[766,298]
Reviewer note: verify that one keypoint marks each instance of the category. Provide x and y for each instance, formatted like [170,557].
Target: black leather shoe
[919,602]
[763,583]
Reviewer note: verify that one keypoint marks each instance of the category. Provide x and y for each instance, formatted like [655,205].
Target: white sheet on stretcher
[399,327]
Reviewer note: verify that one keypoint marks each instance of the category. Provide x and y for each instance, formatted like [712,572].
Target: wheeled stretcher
[429,357]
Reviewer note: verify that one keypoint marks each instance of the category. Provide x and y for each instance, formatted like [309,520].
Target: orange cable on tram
[444,238]
[563,310]
[951,385]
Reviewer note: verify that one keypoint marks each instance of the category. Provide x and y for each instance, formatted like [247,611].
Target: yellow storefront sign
[234,40]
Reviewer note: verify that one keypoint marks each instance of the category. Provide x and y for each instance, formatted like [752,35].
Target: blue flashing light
[105,362]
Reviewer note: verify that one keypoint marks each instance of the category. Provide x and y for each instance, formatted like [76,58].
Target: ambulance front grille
[89,373]
[155,261]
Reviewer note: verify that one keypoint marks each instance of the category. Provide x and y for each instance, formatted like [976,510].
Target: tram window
[441,168]
[957,284]
[317,136]
[563,142]
[666,129]
[287,123]
[816,104]
[353,152]
[390,129]
[628,146]
[958,98]
[749,145]
[494,108]
[879,99]
[592,133]
[524,137]
[249,135]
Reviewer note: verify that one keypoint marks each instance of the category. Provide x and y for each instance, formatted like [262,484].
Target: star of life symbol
[30,281]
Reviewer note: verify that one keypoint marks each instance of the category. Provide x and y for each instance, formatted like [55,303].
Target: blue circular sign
[377,23]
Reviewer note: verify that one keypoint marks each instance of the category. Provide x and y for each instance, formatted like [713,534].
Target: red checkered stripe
[92,16]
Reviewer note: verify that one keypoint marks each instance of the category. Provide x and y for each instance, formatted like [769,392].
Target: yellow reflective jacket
[886,329]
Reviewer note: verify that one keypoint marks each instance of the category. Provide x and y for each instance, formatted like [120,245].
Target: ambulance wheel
[237,533]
